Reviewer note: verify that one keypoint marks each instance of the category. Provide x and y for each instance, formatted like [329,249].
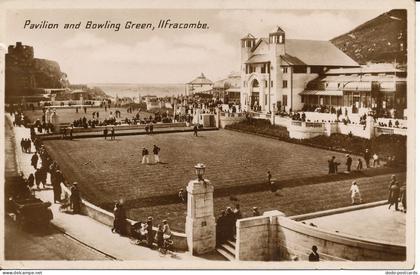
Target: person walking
[269,176]
[195,129]
[355,193]
[156,151]
[394,193]
[145,156]
[75,199]
[34,160]
[150,232]
[403,197]
[56,183]
[349,160]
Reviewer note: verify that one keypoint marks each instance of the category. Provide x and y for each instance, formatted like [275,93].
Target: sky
[165,56]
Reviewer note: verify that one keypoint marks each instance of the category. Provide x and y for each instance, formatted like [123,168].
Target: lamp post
[200,169]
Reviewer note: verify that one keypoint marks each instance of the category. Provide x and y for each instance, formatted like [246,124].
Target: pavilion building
[276,70]
[200,84]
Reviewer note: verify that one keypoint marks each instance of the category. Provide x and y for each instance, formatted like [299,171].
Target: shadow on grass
[231,191]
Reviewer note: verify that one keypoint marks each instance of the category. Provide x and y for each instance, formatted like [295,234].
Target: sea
[135,90]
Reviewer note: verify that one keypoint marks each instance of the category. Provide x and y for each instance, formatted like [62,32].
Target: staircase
[227,250]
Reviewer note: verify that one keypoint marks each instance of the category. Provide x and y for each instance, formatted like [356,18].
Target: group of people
[333,163]
[397,194]
[226,223]
[145,155]
[25,145]
[111,133]
[144,232]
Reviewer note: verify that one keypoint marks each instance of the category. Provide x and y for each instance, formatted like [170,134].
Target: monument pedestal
[200,224]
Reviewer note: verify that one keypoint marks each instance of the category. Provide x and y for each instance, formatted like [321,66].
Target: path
[48,245]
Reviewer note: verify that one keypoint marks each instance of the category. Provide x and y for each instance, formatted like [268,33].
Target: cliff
[26,75]
[380,40]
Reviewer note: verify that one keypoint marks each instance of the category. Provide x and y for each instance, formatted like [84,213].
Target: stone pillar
[200,225]
[217,118]
[370,127]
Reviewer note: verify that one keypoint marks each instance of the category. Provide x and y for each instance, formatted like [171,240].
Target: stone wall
[107,218]
[274,237]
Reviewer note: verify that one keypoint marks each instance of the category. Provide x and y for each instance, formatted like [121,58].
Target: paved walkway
[93,233]
[377,223]
[48,244]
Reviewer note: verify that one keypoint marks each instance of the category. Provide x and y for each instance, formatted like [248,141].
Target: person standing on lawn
[112,133]
[366,156]
[156,151]
[195,129]
[349,160]
[145,156]
[355,192]
[150,232]
[359,164]
[105,132]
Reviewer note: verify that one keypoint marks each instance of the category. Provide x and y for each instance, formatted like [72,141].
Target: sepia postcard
[208,134]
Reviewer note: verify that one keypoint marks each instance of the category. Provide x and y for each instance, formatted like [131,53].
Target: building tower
[277,48]
[247,43]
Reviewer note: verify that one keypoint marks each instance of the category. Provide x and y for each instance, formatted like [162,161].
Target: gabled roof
[248,36]
[258,58]
[313,53]
[201,80]
[318,53]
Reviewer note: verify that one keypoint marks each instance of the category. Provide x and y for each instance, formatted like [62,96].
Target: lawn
[236,164]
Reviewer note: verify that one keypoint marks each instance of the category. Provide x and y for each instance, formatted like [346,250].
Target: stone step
[225,254]
[228,248]
[231,244]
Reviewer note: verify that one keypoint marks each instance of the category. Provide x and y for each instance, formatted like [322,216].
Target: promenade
[92,233]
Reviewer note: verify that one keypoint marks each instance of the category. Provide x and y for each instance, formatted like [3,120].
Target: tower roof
[248,36]
[277,30]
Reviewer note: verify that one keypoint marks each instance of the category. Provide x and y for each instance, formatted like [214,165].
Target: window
[302,99]
[266,83]
[284,100]
[284,83]
[271,83]
[263,69]
[265,100]
[284,70]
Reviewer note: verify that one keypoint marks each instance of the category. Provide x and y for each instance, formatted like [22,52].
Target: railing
[296,123]
[314,124]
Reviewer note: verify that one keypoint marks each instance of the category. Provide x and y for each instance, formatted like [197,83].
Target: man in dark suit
[314,256]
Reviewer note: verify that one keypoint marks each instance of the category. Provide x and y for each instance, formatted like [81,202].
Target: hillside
[380,40]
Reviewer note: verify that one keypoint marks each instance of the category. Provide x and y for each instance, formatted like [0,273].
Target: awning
[365,86]
[322,92]
[233,90]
